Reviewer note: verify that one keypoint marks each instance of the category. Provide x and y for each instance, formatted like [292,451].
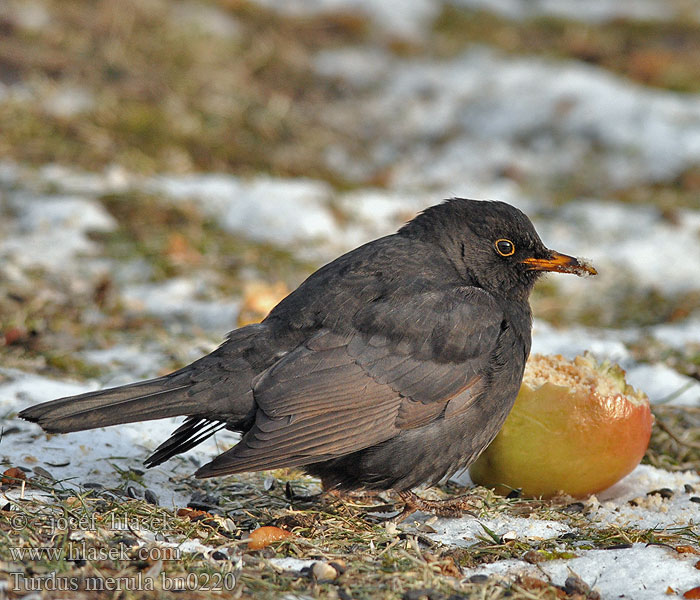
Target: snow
[44,214]
[209,20]
[133,361]
[612,507]
[661,384]
[291,564]
[574,341]
[88,456]
[405,19]
[467,531]
[412,19]
[610,235]
[567,114]
[639,572]
[52,231]
[594,11]
[112,180]
[254,207]
[176,300]
[65,102]
[677,335]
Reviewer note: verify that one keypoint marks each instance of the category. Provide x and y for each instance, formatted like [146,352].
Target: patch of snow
[612,507]
[406,19]
[640,572]
[45,213]
[112,180]
[291,564]
[51,231]
[26,388]
[374,213]
[677,335]
[66,102]
[89,456]
[629,241]
[567,114]
[9,173]
[177,300]
[361,67]
[132,359]
[31,15]
[662,384]
[206,18]
[592,11]
[267,209]
[467,530]
[574,341]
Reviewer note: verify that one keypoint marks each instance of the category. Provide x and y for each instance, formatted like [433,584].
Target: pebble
[151,497]
[423,594]
[574,507]
[203,501]
[324,572]
[665,493]
[131,492]
[43,473]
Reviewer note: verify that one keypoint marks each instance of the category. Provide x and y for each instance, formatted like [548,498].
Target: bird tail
[153,399]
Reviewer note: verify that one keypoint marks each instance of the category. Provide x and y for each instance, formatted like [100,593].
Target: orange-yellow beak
[561,263]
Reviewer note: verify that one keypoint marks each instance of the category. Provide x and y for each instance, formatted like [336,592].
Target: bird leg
[452,507]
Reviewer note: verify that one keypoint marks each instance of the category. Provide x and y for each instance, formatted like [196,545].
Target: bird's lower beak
[561,263]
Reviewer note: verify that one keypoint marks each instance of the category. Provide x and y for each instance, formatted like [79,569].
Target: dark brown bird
[393,366]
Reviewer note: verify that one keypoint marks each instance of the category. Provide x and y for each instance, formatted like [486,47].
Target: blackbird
[395,365]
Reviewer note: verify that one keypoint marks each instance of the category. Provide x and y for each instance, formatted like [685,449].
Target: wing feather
[401,366]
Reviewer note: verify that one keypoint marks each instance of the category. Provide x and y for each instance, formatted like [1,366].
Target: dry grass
[675,442]
[652,53]
[100,535]
[165,95]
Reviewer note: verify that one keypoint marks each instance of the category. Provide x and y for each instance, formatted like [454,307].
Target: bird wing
[404,363]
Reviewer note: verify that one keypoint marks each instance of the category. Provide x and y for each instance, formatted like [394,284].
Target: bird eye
[505,247]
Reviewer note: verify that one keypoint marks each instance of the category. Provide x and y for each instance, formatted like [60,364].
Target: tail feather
[214,392]
[192,432]
[153,399]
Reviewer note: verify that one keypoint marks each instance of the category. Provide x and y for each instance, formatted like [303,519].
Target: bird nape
[393,366]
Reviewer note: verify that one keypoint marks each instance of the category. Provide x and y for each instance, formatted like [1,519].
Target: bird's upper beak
[561,263]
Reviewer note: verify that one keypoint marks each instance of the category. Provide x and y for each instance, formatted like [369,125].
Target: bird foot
[353,494]
[451,508]
[365,499]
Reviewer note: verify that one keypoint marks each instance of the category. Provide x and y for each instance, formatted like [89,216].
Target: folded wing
[402,364]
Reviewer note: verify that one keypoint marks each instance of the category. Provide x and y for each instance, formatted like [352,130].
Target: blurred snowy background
[163,164]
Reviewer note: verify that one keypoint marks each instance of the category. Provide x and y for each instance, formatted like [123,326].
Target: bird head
[493,245]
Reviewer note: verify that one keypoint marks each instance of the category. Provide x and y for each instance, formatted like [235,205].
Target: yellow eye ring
[504,247]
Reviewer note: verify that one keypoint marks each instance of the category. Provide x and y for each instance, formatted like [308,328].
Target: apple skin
[557,439]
